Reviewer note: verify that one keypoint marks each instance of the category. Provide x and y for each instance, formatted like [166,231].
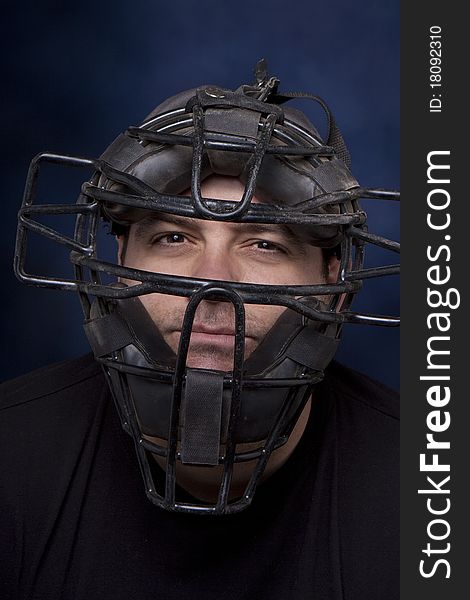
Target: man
[240,248]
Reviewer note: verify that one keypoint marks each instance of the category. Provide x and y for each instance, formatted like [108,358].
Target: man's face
[242,252]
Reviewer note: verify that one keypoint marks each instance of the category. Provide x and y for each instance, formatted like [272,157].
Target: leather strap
[312,349]
[202,414]
[107,334]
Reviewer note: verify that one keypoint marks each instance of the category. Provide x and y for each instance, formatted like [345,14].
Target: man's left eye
[268,246]
[174,238]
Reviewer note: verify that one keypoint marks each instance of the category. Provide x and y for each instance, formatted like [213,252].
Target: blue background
[75,74]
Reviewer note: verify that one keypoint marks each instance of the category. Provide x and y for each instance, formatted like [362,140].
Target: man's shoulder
[52,380]
[361,390]
[50,425]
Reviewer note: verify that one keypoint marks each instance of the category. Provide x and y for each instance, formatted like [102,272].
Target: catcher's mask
[205,417]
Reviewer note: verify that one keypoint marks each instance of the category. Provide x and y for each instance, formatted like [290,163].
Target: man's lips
[206,332]
[212,338]
[212,330]
[209,339]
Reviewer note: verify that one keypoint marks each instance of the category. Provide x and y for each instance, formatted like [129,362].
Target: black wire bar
[252,293]
[257,213]
[239,457]
[166,376]
[273,436]
[374,239]
[254,167]
[180,369]
[231,143]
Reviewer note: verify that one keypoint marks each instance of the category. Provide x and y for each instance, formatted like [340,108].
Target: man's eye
[170,238]
[268,246]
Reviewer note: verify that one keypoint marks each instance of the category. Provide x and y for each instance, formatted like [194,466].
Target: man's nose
[216,263]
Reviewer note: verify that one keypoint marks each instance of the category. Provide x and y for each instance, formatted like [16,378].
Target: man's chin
[212,362]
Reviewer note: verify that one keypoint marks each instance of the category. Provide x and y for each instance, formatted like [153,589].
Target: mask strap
[202,417]
[312,349]
[334,138]
[106,334]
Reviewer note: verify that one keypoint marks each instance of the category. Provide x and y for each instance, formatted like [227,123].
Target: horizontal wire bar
[231,146]
[374,239]
[59,209]
[51,234]
[182,206]
[373,272]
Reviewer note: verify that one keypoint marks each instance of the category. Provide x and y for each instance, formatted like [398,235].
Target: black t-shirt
[75,522]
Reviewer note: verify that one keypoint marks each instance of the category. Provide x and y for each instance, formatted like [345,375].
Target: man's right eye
[169,238]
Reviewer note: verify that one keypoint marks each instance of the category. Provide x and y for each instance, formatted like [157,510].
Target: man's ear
[333,266]
[121,249]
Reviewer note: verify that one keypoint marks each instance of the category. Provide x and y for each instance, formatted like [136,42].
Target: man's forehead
[155,218]
[222,187]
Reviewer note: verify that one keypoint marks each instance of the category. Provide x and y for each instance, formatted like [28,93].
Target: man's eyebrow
[146,224]
[290,234]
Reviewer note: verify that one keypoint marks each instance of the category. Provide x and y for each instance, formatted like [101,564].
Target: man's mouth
[208,330]
[213,346]
[212,340]
[215,336]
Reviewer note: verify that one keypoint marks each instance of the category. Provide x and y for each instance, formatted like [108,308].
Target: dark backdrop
[77,73]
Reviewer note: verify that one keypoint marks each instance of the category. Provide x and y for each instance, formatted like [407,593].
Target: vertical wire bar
[198,149]
[88,234]
[268,447]
[239,354]
[347,252]
[357,261]
[186,328]
[258,155]
[22,236]
[346,261]
[180,369]
[136,434]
